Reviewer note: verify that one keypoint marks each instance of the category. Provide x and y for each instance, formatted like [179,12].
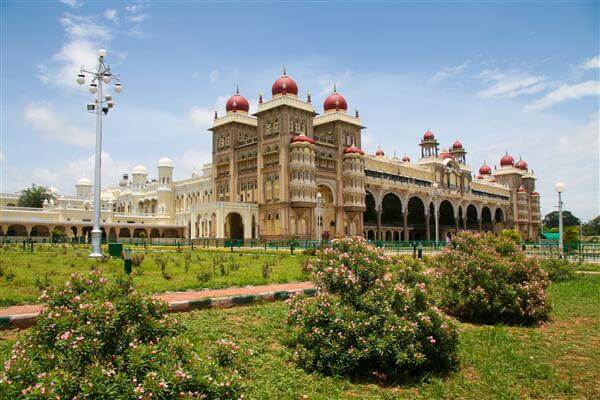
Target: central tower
[279,121]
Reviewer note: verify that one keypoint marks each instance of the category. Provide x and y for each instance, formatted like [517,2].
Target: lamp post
[560,187]
[101,75]
[435,192]
[319,196]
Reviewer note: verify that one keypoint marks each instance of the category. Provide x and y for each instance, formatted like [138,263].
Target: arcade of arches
[395,218]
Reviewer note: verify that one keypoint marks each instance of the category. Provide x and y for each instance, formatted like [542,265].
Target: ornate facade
[287,171]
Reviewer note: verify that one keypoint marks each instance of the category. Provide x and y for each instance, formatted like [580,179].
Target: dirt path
[183,296]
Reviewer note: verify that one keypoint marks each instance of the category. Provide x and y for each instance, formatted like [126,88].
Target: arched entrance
[486,219]
[416,219]
[234,226]
[447,222]
[40,230]
[16,230]
[472,223]
[326,210]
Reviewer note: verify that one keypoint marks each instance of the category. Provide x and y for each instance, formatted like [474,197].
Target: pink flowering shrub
[100,340]
[372,315]
[488,279]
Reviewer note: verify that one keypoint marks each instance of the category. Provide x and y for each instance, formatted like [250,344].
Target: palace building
[288,171]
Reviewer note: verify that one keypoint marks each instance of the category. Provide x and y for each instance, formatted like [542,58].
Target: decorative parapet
[234,117]
[287,101]
[336,116]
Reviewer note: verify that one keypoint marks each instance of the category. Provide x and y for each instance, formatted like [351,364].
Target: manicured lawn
[24,274]
[587,266]
[560,359]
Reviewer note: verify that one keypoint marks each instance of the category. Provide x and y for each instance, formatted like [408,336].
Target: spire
[216,116]
[237,89]
[308,97]
[284,70]
[260,99]
[356,113]
[334,88]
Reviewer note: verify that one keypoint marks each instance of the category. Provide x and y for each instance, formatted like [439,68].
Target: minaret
[429,146]
[165,186]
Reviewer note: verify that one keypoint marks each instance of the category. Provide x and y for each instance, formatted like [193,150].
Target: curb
[24,321]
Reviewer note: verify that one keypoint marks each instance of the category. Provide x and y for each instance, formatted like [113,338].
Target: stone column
[379,233]
[456,224]
[427,228]
[405,225]
[493,226]
[480,223]
[465,222]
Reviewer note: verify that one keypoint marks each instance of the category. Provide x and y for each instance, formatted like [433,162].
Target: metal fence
[575,251]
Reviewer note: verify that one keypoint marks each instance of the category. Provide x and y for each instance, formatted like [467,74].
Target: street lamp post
[101,75]
[560,187]
[435,192]
[319,196]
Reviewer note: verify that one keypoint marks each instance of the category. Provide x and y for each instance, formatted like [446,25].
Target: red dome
[521,165]
[428,136]
[284,85]
[237,102]
[479,176]
[335,101]
[457,145]
[535,194]
[379,152]
[485,170]
[507,160]
[522,189]
[406,158]
[302,138]
[443,155]
[353,149]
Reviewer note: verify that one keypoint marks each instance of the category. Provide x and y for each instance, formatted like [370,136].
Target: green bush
[558,269]
[369,318]
[97,340]
[487,279]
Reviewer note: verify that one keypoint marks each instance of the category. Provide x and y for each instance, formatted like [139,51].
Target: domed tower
[284,86]
[303,183]
[237,104]
[459,152]
[522,214]
[354,180]
[139,177]
[165,186]
[335,102]
[83,188]
[429,146]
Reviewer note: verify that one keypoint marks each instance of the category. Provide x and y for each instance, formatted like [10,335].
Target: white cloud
[201,117]
[136,19]
[214,75]
[73,3]
[592,63]
[448,72]
[81,27]
[51,126]
[112,170]
[510,84]
[566,92]
[111,15]
[133,8]
[190,160]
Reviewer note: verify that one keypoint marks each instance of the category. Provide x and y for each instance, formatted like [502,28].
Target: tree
[34,196]
[571,234]
[592,227]
[511,234]
[551,219]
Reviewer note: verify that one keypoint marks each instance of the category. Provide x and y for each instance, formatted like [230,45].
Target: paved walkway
[174,297]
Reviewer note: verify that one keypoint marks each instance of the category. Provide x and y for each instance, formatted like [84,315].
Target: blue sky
[497,76]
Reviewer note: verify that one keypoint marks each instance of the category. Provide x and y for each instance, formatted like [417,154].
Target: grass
[23,275]
[557,360]
[595,267]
